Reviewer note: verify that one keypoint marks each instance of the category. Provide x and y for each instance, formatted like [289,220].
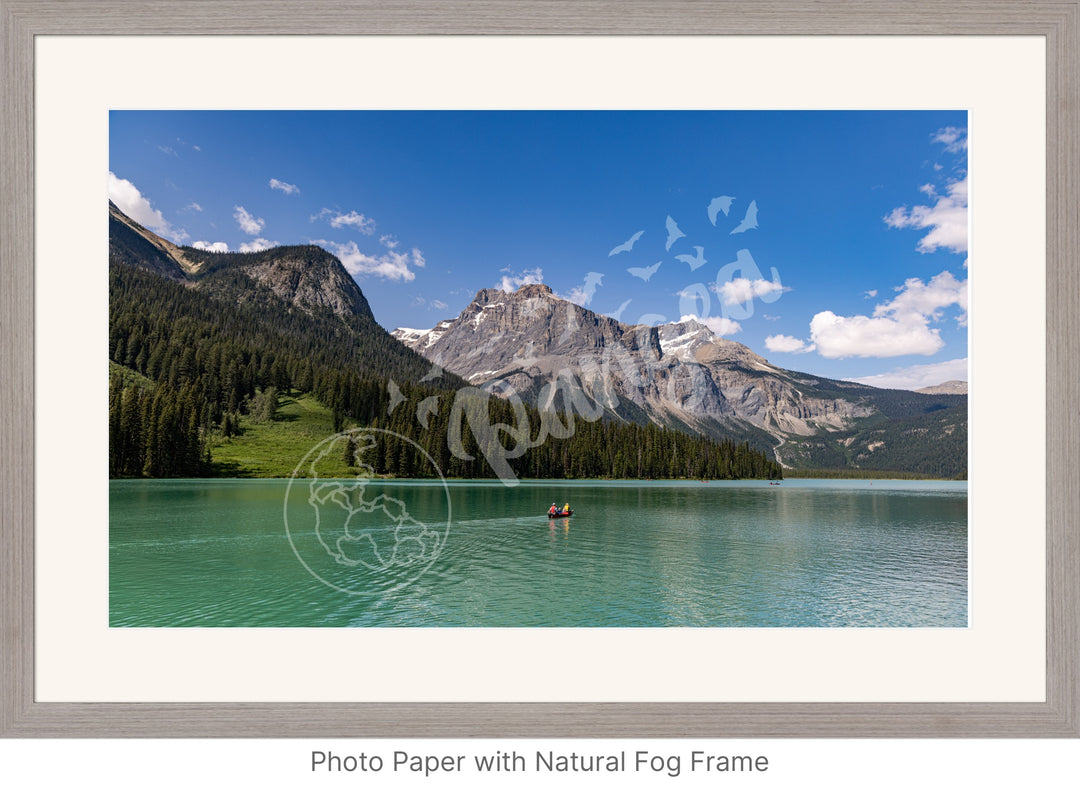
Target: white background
[79,79]
[880,767]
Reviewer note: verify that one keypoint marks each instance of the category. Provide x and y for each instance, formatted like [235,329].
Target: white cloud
[194,206]
[284,187]
[927,299]
[838,337]
[870,294]
[258,244]
[133,204]
[947,220]
[218,247]
[440,305]
[583,293]
[898,327]
[393,265]
[389,241]
[363,224]
[741,290]
[954,138]
[721,326]
[782,343]
[510,283]
[918,376]
[579,296]
[248,222]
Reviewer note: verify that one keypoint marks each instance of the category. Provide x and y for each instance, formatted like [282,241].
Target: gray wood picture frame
[22,716]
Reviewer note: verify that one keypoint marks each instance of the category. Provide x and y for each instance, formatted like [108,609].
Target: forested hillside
[193,369]
[210,363]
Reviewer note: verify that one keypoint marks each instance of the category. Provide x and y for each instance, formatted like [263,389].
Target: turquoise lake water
[807,553]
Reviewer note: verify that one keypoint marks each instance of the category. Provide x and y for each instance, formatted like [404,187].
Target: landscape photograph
[538,368]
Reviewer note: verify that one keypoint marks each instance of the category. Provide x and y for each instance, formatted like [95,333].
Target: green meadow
[273,449]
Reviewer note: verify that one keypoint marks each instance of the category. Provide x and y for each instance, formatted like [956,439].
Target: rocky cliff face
[679,373]
[307,277]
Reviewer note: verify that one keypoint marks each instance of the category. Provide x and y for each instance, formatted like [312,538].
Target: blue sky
[856,267]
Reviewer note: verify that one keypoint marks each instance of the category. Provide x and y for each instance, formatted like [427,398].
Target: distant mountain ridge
[946,388]
[307,277]
[678,375]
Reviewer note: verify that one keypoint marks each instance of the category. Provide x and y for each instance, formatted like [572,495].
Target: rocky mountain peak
[678,372]
[308,277]
[532,291]
[494,295]
[692,341]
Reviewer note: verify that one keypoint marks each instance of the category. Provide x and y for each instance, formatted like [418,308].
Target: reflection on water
[804,554]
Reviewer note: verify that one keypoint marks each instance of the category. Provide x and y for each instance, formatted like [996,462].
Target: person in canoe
[555,513]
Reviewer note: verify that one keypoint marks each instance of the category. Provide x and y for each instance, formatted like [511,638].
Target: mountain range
[299,305]
[556,354]
[238,364]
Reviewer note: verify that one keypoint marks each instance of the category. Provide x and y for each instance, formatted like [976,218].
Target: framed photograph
[885,199]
